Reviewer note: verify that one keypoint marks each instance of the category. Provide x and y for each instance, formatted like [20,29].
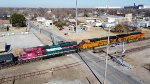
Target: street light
[107,56]
[107,53]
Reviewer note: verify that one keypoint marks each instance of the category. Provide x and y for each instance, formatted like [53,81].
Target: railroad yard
[76,68]
[67,75]
[74,42]
[69,66]
[76,73]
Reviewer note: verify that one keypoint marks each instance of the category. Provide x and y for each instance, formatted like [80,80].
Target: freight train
[68,47]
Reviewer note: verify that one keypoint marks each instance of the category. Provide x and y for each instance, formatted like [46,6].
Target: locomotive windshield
[23,55]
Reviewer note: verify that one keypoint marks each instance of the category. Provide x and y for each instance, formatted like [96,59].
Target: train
[95,42]
[68,47]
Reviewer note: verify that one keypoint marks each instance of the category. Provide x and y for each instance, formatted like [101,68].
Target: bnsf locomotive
[68,47]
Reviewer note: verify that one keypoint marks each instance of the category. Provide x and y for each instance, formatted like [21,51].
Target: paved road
[48,33]
[114,76]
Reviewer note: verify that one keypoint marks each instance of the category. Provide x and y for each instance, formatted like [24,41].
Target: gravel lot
[138,59]
[20,39]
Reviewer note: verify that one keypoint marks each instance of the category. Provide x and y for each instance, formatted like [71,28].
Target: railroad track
[137,49]
[129,50]
[18,63]
[42,72]
[82,58]
[35,73]
[100,49]
[38,59]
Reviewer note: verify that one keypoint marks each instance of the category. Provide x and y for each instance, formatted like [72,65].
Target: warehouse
[140,24]
[113,18]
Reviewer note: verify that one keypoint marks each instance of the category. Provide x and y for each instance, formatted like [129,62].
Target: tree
[147,14]
[121,28]
[86,15]
[59,23]
[18,20]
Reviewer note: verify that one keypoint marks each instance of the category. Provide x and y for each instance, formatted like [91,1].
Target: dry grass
[14,29]
[129,60]
[19,29]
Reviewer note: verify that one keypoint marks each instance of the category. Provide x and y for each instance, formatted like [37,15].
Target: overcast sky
[69,3]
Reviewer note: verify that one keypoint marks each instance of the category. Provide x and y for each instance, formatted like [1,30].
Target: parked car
[61,28]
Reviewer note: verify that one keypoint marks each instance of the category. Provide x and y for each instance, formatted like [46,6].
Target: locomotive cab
[31,53]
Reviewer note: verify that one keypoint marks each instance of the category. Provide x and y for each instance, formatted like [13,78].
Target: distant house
[48,22]
[72,20]
[40,19]
[91,20]
[98,24]
[5,24]
[5,17]
[106,25]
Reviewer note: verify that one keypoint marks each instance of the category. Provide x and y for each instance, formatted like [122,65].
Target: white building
[48,23]
[140,24]
[144,24]
[40,19]
[113,18]
[98,24]
[72,20]
[91,20]
[107,24]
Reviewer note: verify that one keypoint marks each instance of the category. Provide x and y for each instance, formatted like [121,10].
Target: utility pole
[76,16]
[108,43]
[107,56]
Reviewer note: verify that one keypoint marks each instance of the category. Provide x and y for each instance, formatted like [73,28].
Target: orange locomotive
[96,42]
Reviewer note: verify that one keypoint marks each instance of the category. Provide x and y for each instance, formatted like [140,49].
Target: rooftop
[4,22]
[110,16]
